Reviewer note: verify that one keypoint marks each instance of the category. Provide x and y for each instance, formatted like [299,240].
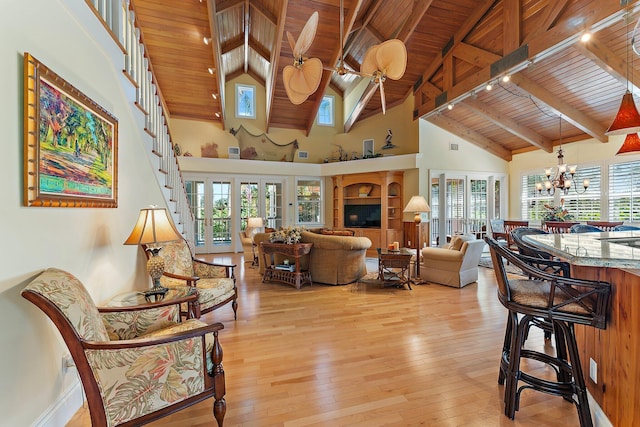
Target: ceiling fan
[385,60]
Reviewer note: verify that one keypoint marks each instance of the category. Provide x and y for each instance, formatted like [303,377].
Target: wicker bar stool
[563,302]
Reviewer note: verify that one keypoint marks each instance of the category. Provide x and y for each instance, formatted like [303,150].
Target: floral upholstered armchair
[138,363]
[216,283]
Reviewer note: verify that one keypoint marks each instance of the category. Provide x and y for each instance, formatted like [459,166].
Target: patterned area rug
[487,263]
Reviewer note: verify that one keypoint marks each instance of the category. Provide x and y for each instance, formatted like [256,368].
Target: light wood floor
[359,355]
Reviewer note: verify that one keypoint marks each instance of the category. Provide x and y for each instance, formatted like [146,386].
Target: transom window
[245,101]
[326,110]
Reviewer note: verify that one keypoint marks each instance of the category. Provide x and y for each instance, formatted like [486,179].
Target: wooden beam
[551,14]
[225,5]
[259,48]
[364,100]
[508,124]
[569,113]
[275,53]
[326,75]
[419,9]
[462,32]
[217,58]
[247,20]
[545,44]
[471,136]
[606,59]
[362,25]
[511,26]
[232,44]
[258,7]
[474,55]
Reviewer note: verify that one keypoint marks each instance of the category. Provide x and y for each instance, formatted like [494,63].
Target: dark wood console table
[296,277]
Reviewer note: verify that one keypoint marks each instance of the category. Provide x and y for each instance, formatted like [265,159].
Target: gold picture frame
[70,144]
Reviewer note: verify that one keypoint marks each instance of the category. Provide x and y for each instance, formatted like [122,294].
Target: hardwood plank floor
[359,355]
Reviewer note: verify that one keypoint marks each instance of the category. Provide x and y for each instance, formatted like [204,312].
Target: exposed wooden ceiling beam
[474,55]
[259,48]
[508,124]
[606,59]
[326,75]
[551,14]
[545,44]
[231,44]
[217,58]
[569,113]
[470,135]
[511,26]
[258,7]
[275,53]
[247,20]
[225,5]
[464,30]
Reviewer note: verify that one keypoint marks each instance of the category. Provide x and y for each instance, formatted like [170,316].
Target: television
[363,216]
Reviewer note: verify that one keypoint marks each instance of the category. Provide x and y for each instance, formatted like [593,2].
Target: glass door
[210,202]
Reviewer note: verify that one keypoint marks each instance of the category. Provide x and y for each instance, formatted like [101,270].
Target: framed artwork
[70,144]
[367,148]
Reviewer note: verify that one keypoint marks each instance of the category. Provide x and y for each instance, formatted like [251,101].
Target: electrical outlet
[593,370]
[67,362]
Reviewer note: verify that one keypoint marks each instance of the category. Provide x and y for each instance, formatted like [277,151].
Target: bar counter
[613,257]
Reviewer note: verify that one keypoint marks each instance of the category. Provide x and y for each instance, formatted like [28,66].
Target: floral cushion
[177,258]
[125,325]
[208,271]
[67,292]
[137,381]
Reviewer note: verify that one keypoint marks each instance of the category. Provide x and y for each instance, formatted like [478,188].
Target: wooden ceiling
[454,49]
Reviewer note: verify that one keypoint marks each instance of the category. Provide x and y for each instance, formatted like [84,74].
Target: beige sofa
[334,260]
[453,265]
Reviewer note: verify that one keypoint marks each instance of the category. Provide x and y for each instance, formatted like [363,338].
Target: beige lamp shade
[153,226]
[255,222]
[417,204]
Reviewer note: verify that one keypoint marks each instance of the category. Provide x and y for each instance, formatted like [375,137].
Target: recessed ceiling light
[206,40]
[489,86]
[450,106]
[214,96]
[218,115]
[506,78]
[211,70]
[586,36]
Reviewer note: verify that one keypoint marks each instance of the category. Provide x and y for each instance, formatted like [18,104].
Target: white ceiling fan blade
[306,36]
[391,58]
[382,99]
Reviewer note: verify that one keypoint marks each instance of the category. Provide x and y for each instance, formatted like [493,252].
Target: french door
[212,207]
[222,205]
[462,203]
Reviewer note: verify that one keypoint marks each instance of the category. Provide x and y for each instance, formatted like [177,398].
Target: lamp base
[155,294]
[155,268]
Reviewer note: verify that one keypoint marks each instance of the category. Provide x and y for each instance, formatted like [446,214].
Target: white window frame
[320,202]
[332,109]
[240,88]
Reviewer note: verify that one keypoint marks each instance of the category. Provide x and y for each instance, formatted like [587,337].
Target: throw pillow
[456,243]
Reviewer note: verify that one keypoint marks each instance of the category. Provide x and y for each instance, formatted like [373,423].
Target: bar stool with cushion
[561,301]
[509,226]
[605,225]
[585,228]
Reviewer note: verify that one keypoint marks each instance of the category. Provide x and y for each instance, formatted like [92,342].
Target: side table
[394,267]
[137,299]
[296,276]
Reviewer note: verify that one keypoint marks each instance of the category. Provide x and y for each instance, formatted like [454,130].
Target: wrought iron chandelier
[564,177]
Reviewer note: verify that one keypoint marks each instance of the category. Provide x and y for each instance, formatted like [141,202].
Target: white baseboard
[63,409]
[597,414]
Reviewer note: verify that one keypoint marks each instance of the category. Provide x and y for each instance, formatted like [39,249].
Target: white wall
[86,242]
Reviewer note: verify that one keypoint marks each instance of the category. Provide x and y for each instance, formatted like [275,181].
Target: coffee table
[394,267]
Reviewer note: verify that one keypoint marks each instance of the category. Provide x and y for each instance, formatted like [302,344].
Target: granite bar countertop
[618,249]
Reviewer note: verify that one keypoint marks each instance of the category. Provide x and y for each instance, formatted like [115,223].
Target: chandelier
[564,177]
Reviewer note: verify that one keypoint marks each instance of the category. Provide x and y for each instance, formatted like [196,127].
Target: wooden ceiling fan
[385,60]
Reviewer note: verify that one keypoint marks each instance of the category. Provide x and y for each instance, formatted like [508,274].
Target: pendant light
[631,145]
[627,121]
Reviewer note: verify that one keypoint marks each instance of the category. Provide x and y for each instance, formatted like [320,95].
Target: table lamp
[417,205]
[153,228]
[253,224]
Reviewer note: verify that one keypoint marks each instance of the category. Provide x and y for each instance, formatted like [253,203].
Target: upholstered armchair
[216,283]
[455,264]
[138,363]
[247,246]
